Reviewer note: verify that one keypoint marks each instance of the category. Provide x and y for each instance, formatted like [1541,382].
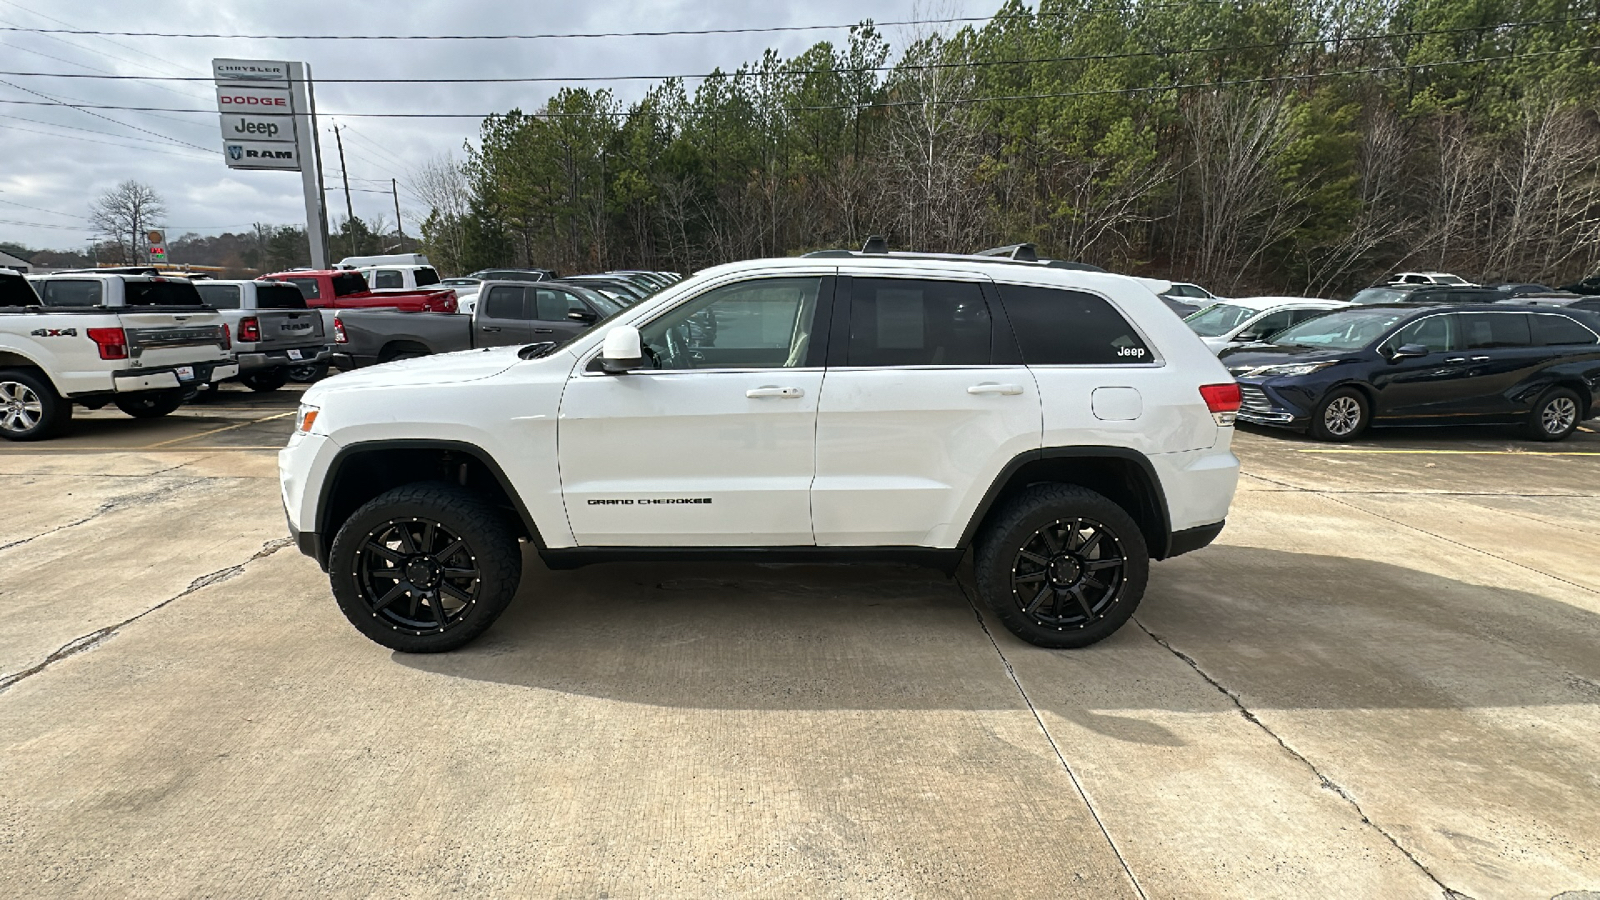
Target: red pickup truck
[344,289]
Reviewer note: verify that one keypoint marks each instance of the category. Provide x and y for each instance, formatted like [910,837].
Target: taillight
[227,336]
[1223,400]
[250,329]
[339,337]
[113,342]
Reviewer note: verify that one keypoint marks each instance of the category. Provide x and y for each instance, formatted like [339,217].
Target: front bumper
[315,354]
[1261,405]
[169,377]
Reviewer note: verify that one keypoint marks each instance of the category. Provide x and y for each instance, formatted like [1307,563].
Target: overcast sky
[54,160]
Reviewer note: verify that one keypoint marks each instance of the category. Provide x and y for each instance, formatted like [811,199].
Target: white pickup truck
[399,277]
[144,343]
[274,332]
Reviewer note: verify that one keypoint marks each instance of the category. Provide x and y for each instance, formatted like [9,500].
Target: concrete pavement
[1382,681]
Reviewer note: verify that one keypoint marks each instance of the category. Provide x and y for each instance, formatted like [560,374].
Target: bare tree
[123,214]
[442,183]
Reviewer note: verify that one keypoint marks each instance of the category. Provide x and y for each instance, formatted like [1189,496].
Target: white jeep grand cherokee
[1061,424]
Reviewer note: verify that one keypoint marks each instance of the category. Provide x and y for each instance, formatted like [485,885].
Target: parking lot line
[216,431]
[1452,452]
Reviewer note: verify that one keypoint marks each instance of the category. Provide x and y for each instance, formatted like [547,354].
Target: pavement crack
[1324,780]
[1054,747]
[95,638]
[108,506]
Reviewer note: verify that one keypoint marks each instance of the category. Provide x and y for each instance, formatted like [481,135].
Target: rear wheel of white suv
[1062,566]
[424,568]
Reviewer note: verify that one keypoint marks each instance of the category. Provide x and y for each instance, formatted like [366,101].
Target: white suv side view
[1061,425]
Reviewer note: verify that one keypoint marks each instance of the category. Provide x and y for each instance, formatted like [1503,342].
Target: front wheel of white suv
[424,568]
[1061,566]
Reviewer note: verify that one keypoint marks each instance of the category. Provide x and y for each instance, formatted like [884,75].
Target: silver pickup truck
[508,313]
[273,330]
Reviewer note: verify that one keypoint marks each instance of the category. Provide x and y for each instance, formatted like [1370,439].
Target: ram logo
[235,152]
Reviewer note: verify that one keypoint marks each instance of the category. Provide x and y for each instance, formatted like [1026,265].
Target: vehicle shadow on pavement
[1294,631]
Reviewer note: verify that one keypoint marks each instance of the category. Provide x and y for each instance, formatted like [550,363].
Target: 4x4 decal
[54,332]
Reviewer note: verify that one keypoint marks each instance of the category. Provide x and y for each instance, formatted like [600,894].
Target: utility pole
[349,208]
[394,188]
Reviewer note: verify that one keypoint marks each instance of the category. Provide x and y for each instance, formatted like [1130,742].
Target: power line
[45,225]
[1091,57]
[87,109]
[1199,85]
[42,209]
[120,137]
[769,29]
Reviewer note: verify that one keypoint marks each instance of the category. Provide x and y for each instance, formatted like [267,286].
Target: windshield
[605,305]
[1340,330]
[1379,295]
[1219,319]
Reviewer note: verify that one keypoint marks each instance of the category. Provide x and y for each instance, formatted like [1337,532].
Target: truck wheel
[265,379]
[150,404]
[1061,566]
[308,372]
[424,568]
[30,408]
[1341,416]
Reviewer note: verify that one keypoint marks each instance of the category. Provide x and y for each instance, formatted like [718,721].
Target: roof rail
[1023,252]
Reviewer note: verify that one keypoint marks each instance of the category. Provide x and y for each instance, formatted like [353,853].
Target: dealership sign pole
[269,122]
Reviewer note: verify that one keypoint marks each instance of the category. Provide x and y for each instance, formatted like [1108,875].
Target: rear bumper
[314,354]
[168,377]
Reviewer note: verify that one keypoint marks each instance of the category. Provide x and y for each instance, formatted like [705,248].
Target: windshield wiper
[535,351]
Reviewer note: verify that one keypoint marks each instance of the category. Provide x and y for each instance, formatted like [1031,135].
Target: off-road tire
[1555,417]
[1331,419]
[489,541]
[1003,544]
[265,379]
[30,408]
[150,404]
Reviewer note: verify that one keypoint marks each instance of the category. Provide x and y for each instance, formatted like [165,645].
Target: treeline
[1252,146]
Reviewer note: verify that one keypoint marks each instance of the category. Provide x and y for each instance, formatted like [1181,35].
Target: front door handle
[1480,359]
[772,391]
[1455,359]
[491,328]
[989,387]
[544,331]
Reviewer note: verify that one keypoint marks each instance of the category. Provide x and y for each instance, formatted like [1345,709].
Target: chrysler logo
[235,151]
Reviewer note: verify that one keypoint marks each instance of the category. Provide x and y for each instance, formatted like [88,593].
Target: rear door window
[504,302]
[279,296]
[70,292]
[221,296]
[1559,331]
[1492,331]
[347,283]
[1057,327]
[906,322]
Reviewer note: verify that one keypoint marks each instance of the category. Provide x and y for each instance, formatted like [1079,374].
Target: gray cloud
[49,174]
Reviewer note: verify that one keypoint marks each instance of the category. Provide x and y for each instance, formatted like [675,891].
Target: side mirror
[1408,351]
[623,351]
[1248,337]
[582,315]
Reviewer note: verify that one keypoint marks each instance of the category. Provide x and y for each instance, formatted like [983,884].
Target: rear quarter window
[1058,327]
[427,276]
[1559,331]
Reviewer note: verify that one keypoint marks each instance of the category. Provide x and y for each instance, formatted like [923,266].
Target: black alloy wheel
[1061,566]
[1068,574]
[424,568]
[1555,416]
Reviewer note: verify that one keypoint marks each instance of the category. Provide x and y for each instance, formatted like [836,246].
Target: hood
[1249,356]
[446,368]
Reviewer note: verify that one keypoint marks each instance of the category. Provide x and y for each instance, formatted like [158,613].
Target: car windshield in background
[1449,279]
[1218,319]
[347,283]
[161,293]
[607,306]
[1340,330]
[1380,295]
[279,296]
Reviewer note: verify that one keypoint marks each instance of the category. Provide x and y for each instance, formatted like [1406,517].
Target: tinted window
[1380,295]
[1270,325]
[15,291]
[279,296]
[1471,295]
[222,296]
[426,276]
[761,324]
[386,278]
[308,286]
[504,303]
[1057,327]
[903,322]
[1559,331]
[553,306]
[160,293]
[346,283]
[1591,305]
[1437,333]
[71,293]
[1486,331]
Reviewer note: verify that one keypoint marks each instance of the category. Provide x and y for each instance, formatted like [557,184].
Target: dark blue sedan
[1535,366]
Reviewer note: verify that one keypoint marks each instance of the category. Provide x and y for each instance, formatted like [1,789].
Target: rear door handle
[989,387]
[771,391]
[544,331]
[1480,359]
[1456,359]
[491,328]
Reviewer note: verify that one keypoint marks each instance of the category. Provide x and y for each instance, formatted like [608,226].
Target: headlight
[305,418]
[1289,369]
